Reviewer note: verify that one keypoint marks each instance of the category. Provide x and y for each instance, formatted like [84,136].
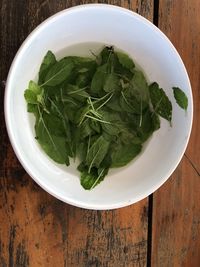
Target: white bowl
[151,49]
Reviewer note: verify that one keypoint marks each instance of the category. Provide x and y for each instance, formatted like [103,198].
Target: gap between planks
[150,199]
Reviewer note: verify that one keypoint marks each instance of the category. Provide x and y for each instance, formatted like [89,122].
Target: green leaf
[123,154]
[81,150]
[83,80]
[161,103]
[81,62]
[123,73]
[125,60]
[106,162]
[83,70]
[76,92]
[59,118]
[128,136]
[91,179]
[33,93]
[54,146]
[59,72]
[146,125]
[129,102]
[81,113]
[181,98]
[98,80]
[114,103]
[75,143]
[55,125]
[30,97]
[34,87]
[48,61]
[110,129]
[32,108]
[140,87]
[155,121]
[96,126]
[115,122]
[85,129]
[83,67]
[97,152]
[111,83]
[105,54]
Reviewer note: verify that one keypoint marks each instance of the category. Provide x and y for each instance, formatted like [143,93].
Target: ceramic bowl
[155,54]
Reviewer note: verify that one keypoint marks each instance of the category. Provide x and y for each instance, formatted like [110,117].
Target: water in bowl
[89,49]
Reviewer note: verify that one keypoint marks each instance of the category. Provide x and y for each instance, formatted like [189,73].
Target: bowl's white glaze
[151,49]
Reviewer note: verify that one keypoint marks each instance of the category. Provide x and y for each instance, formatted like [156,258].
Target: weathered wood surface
[176,205]
[38,230]
[35,228]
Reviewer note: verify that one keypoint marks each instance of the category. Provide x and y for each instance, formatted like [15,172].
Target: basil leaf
[128,136]
[30,97]
[140,87]
[161,103]
[155,121]
[114,103]
[59,72]
[32,108]
[129,102]
[91,179]
[76,92]
[53,145]
[97,152]
[111,83]
[123,154]
[146,125]
[98,80]
[86,129]
[114,125]
[125,60]
[48,61]
[105,54]
[181,98]
[95,126]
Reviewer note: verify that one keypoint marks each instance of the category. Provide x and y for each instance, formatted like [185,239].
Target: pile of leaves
[98,109]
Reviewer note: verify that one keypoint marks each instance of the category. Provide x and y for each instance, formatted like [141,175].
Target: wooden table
[162,231]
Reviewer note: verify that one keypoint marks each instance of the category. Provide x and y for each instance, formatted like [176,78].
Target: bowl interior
[75,31]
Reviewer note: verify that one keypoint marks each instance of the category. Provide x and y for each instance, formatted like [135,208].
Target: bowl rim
[51,191]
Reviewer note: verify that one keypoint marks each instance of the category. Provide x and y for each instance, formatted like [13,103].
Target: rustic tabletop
[162,230]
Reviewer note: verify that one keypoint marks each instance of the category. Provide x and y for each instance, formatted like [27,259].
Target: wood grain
[35,228]
[176,213]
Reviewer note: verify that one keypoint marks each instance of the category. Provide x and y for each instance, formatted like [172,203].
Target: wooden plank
[176,212]
[35,228]
[180,21]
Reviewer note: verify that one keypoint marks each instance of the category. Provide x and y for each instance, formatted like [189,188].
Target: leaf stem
[88,147]
[69,101]
[126,100]
[45,127]
[52,77]
[52,102]
[96,181]
[140,124]
[96,114]
[90,167]
[123,76]
[157,106]
[93,118]
[100,99]
[78,90]
[90,102]
[105,102]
